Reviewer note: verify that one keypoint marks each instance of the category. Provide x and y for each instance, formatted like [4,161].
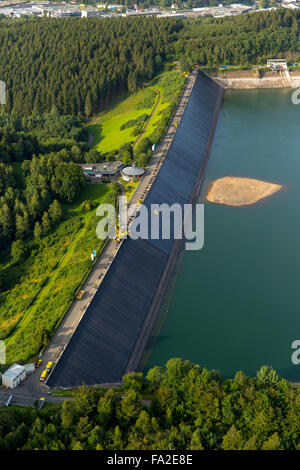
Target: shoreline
[136,359]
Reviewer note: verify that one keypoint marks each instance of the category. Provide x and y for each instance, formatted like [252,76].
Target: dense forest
[189,408]
[243,40]
[34,202]
[57,73]
[80,66]
[60,72]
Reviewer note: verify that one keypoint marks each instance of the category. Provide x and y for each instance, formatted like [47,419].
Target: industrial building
[16,374]
[13,376]
[102,170]
[90,14]
[63,10]
[65,13]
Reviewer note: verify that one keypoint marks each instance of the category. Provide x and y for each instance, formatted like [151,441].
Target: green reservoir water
[235,304]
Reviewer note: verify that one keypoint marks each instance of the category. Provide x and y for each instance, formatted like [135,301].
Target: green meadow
[155,98]
[106,127]
[38,291]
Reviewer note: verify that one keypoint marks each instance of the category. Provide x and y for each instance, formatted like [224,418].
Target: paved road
[19,399]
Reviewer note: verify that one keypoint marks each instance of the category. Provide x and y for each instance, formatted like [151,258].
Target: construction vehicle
[44,375]
[38,362]
[49,366]
[80,294]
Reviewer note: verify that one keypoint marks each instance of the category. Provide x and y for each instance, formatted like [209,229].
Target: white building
[110,7]
[29,368]
[289,4]
[13,376]
[89,14]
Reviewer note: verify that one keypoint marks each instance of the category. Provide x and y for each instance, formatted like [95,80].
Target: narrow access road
[150,117]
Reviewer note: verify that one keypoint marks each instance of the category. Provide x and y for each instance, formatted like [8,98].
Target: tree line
[79,66]
[189,408]
[30,196]
[181,4]
[59,72]
[242,40]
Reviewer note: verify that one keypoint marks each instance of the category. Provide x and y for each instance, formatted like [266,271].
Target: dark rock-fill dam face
[111,336]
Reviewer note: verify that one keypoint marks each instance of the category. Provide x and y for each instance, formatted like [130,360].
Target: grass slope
[39,290]
[105,128]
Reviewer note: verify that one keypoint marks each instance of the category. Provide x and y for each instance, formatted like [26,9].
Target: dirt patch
[234,191]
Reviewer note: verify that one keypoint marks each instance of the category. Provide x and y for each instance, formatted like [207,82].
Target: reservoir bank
[243,79]
[234,305]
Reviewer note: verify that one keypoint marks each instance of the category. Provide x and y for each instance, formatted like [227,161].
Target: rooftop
[14,371]
[104,166]
[133,171]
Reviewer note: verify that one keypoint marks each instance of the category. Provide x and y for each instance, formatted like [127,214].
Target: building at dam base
[103,344]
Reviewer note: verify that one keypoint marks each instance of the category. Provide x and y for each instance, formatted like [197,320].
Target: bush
[143,146]
[18,251]
[87,206]
[148,99]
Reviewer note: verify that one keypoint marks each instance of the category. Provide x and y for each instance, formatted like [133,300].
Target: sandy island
[234,191]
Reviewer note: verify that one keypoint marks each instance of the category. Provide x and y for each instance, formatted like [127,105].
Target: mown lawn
[38,291]
[105,128]
[167,84]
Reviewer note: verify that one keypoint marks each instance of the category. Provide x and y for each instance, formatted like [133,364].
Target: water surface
[235,305]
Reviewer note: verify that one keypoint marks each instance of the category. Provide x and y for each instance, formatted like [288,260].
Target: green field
[105,128]
[38,291]
[168,84]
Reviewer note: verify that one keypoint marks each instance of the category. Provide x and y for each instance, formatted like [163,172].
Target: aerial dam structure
[111,336]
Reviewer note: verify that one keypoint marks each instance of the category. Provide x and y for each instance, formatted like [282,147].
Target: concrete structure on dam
[243,79]
[110,339]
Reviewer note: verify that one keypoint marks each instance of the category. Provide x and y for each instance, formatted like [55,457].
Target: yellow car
[44,375]
[80,294]
[49,366]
